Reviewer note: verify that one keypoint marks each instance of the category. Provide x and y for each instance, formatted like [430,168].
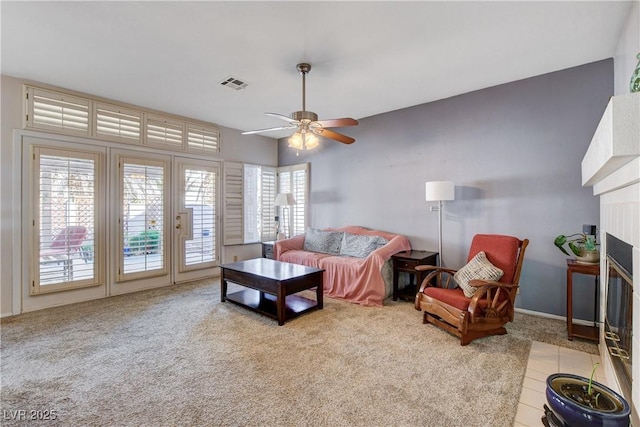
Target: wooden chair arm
[435,272]
[433,268]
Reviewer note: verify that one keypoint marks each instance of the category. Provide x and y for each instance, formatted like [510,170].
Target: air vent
[234,83]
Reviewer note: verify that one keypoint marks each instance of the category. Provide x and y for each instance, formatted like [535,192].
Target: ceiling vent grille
[234,83]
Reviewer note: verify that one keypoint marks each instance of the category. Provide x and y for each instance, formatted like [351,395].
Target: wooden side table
[406,262]
[267,250]
[574,330]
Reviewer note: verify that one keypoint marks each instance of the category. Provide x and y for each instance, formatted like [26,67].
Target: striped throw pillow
[478,268]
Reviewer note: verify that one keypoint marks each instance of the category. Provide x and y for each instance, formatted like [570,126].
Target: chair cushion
[478,268]
[360,246]
[500,250]
[452,297]
[326,242]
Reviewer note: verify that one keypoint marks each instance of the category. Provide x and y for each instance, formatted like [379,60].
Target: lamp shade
[439,190]
[284,199]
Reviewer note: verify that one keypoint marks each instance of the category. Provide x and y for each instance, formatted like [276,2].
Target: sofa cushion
[478,268]
[326,242]
[310,259]
[360,246]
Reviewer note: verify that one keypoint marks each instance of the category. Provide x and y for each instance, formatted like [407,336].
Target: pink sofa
[354,279]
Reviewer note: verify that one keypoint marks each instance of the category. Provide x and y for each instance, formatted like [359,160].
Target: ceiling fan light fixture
[295,141]
[311,141]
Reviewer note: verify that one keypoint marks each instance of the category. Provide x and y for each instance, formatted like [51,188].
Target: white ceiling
[367,57]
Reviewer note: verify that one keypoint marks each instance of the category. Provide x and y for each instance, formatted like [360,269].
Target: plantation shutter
[295,180]
[202,138]
[268,211]
[232,233]
[299,186]
[164,132]
[251,204]
[113,122]
[57,111]
[65,206]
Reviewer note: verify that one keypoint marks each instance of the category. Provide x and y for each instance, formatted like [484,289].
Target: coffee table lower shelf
[262,303]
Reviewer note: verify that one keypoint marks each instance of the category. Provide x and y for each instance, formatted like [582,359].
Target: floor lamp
[439,191]
[284,200]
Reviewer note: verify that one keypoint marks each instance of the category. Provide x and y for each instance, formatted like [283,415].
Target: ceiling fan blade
[337,123]
[335,135]
[283,117]
[249,132]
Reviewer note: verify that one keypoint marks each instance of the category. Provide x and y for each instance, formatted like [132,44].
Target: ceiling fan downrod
[304,115]
[303,69]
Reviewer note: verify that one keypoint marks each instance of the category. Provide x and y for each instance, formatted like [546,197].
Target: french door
[103,221]
[140,189]
[167,217]
[196,214]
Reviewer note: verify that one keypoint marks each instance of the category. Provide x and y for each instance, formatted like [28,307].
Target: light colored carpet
[177,356]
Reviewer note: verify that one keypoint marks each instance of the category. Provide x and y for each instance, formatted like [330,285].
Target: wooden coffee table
[270,287]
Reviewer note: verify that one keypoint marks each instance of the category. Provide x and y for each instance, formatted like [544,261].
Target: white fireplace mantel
[612,166]
[615,141]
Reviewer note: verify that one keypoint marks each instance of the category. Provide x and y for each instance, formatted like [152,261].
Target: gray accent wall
[514,153]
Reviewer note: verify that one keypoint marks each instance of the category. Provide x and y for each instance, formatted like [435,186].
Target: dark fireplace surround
[619,314]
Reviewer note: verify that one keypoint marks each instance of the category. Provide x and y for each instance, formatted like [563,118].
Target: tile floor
[544,360]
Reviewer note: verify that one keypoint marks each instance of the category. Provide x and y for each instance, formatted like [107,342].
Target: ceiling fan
[307,123]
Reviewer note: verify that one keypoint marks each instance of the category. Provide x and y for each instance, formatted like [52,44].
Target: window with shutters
[164,132]
[259,183]
[203,138]
[116,123]
[295,180]
[250,191]
[232,204]
[199,187]
[78,115]
[57,112]
[66,202]
[268,192]
[142,218]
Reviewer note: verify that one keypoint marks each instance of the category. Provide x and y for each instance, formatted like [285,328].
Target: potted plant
[583,247]
[580,401]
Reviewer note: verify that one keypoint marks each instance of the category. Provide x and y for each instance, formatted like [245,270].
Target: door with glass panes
[195,243]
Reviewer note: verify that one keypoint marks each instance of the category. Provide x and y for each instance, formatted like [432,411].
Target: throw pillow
[478,268]
[360,246]
[326,242]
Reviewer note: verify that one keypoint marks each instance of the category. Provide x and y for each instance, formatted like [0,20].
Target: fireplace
[619,310]
[612,166]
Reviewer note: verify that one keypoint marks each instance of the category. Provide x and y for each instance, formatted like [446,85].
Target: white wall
[627,49]
[235,147]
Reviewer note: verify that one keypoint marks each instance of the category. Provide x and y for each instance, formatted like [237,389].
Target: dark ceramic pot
[573,406]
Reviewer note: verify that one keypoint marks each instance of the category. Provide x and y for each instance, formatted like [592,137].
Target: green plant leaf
[577,251]
[593,371]
[590,243]
[559,242]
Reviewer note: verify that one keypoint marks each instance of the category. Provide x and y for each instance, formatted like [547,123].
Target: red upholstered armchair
[480,301]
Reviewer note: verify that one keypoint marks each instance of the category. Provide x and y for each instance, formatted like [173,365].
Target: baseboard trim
[553,316]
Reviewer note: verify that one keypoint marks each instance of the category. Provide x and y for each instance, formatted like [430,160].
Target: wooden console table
[574,330]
